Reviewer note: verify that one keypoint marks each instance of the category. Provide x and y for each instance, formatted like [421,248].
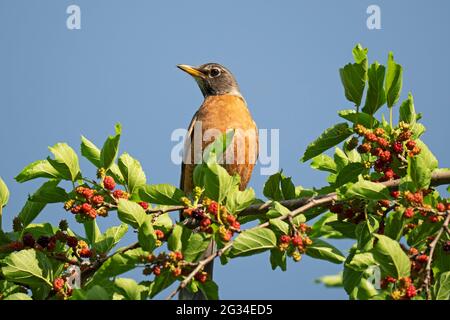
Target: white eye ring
[214,72]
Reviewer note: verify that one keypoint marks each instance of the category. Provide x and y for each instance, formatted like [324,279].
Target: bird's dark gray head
[213,79]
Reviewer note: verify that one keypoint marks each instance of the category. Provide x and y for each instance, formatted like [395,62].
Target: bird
[223,109]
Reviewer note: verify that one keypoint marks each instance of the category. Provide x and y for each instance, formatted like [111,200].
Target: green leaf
[368,190]
[37,169]
[394,224]
[174,241]
[195,245]
[129,289]
[240,200]
[93,233]
[278,259]
[323,162]
[65,162]
[394,81]
[361,261]
[4,193]
[210,290]
[353,77]
[146,235]
[164,280]
[49,192]
[18,296]
[253,241]
[363,118]
[329,138]
[96,292]
[217,182]
[280,225]
[29,267]
[131,213]
[110,149]
[349,173]
[364,232]
[421,166]
[215,151]
[165,194]
[277,210]
[272,189]
[90,151]
[376,95]
[390,257]
[442,287]
[287,188]
[360,54]
[407,111]
[331,281]
[132,172]
[320,249]
[30,211]
[110,238]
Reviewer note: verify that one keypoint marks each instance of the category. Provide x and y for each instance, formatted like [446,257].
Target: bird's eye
[215,72]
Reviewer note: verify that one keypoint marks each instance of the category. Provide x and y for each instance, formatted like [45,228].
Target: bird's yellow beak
[191,70]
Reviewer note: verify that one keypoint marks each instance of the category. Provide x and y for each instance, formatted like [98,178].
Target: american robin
[223,109]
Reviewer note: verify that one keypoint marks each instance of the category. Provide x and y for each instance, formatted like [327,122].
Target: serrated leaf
[442,287]
[146,235]
[253,241]
[363,118]
[353,78]
[240,200]
[130,213]
[210,290]
[376,95]
[390,257]
[320,249]
[421,166]
[407,111]
[65,161]
[174,241]
[4,193]
[164,194]
[132,172]
[30,211]
[349,173]
[278,259]
[18,296]
[280,225]
[394,224]
[110,149]
[37,169]
[329,138]
[195,246]
[49,192]
[90,151]
[394,82]
[110,238]
[93,233]
[368,190]
[129,289]
[217,182]
[361,261]
[323,162]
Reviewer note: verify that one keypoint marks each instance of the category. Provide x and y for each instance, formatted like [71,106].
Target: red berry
[156,271]
[395,194]
[236,225]
[227,236]
[16,245]
[213,207]
[364,148]
[86,207]
[371,137]
[72,242]
[118,194]
[297,241]
[43,241]
[206,222]
[383,143]
[422,258]
[144,205]
[379,165]
[231,219]
[384,203]
[411,291]
[75,209]
[440,207]
[336,208]
[98,200]
[88,193]
[410,144]
[391,279]
[159,234]
[92,213]
[409,213]
[201,277]
[376,152]
[85,252]
[379,132]
[198,214]
[178,255]
[385,156]
[176,272]
[109,183]
[58,284]
[434,219]
[285,238]
[413,251]
[397,147]
[389,173]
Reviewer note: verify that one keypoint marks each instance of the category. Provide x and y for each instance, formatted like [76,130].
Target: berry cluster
[214,213]
[61,288]
[296,244]
[172,262]
[401,289]
[351,211]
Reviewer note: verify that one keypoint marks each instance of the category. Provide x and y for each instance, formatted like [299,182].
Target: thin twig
[433,244]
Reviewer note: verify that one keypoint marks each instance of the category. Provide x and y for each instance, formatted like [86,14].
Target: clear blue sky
[57,84]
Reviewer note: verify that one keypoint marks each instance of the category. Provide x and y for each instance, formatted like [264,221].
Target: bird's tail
[185,294]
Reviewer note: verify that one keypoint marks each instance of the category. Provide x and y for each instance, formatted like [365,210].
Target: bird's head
[213,79]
